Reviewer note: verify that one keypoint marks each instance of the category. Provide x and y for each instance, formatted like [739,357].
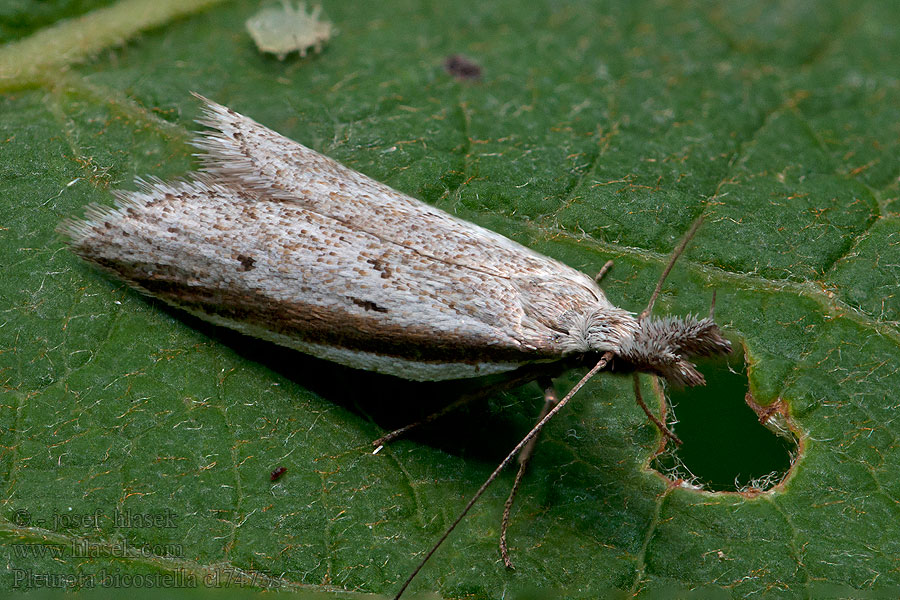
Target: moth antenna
[677,253]
[712,307]
[607,356]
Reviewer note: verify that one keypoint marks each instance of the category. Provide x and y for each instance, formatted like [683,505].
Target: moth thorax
[601,330]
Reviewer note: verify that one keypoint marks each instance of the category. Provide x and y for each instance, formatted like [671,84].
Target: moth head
[665,346]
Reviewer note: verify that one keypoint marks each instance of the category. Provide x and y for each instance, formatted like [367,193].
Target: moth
[279,242]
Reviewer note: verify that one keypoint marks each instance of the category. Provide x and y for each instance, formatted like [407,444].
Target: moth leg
[523,377]
[603,270]
[550,400]
[393,435]
[656,421]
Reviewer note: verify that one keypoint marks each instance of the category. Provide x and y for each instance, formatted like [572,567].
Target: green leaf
[136,440]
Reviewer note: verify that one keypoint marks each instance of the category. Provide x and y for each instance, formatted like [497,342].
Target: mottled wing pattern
[280,242]
[241,150]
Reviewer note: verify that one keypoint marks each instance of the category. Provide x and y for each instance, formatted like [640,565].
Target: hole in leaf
[730,442]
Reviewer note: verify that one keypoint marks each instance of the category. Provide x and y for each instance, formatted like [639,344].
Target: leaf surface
[597,131]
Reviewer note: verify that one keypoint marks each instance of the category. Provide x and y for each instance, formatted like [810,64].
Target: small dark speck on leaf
[277,473]
[462,68]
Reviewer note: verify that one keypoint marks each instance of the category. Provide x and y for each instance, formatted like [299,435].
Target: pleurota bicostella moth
[279,242]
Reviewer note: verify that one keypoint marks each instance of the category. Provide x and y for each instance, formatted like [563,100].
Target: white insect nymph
[283,29]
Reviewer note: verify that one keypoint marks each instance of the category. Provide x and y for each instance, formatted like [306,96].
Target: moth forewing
[279,242]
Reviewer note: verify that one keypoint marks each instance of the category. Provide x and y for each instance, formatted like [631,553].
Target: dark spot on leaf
[462,68]
[277,473]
